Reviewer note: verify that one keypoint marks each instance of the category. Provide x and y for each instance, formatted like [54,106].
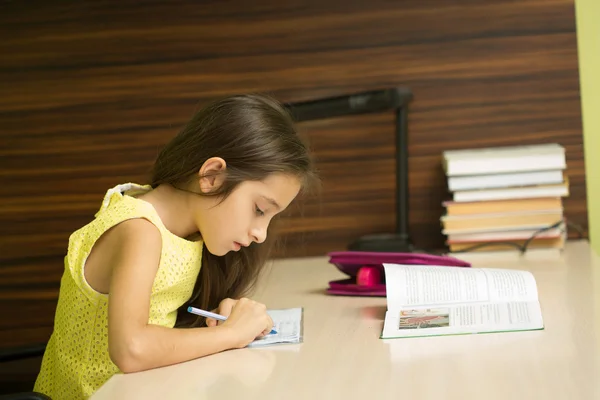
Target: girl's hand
[247,321]
[224,309]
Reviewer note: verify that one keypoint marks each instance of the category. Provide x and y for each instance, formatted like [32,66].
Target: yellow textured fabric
[76,362]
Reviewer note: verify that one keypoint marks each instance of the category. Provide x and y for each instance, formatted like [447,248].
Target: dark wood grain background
[90,91]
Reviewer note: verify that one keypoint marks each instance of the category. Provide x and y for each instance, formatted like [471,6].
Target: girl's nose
[258,235]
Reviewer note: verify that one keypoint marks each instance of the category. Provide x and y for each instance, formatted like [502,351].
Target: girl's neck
[173,208]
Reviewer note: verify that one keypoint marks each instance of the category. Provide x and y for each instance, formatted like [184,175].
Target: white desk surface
[342,356]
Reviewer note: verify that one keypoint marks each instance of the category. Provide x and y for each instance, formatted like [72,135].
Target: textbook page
[408,285]
[288,323]
[462,319]
[433,300]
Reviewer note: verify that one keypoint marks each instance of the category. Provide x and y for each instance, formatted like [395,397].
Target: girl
[197,235]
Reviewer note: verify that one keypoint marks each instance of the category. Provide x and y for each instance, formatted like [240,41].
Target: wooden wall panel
[89,93]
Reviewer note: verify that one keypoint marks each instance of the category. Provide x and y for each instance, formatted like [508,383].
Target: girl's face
[244,216]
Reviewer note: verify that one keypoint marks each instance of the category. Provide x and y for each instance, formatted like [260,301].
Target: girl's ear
[211,175]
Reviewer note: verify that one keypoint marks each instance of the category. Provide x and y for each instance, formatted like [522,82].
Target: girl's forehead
[277,189]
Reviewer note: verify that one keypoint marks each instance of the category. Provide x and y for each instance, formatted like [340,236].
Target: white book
[437,300]
[561,190]
[473,182]
[497,160]
[498,215]
[534,227]
[507,235]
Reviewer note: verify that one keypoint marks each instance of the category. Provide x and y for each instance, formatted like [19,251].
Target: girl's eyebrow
[272,201]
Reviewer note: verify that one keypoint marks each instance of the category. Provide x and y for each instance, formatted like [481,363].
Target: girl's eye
[259,212]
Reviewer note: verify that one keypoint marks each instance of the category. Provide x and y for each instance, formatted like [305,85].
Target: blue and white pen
[218,317]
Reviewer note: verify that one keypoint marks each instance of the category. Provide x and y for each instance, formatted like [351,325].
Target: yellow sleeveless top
[76,361]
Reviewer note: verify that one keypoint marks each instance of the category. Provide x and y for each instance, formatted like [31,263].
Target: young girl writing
[197,235]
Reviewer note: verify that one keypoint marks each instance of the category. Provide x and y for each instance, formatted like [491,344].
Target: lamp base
[384,242]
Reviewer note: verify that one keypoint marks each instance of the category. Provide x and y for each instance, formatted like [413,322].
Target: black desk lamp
[396,99]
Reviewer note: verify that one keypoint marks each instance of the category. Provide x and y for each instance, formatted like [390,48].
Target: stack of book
[505,197]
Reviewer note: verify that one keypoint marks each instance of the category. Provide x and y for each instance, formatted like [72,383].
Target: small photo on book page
[289,326]
[424,318]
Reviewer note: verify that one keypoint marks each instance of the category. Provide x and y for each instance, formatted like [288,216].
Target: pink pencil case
[353,263]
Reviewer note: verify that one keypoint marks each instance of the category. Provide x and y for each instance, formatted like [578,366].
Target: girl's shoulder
[120,194]
[120,203]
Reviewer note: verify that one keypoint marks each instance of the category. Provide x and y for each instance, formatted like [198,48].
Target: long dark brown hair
[256,137]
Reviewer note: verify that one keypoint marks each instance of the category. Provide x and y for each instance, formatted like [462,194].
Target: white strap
[122,188]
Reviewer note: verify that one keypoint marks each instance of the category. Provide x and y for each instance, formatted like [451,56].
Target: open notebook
[288,323]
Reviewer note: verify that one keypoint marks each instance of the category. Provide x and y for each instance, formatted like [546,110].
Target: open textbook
[435,300]
[288,324]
